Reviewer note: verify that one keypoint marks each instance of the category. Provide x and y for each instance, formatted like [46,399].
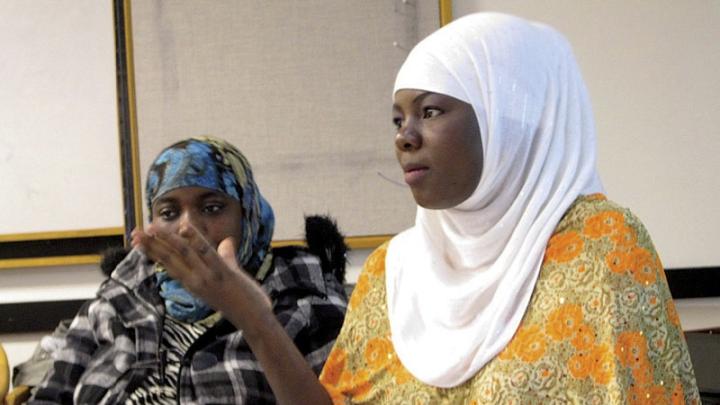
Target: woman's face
[214,214]
[438,146]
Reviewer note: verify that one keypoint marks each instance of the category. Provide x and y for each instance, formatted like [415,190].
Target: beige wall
[652,71]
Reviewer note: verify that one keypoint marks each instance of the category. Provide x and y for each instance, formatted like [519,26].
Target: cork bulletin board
[302,88]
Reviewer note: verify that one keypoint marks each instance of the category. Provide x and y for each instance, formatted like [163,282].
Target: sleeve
[618,326]
[309,305]
[70,360]
[312,313]
[652,357]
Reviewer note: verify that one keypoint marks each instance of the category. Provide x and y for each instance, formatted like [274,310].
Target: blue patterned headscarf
[217,165]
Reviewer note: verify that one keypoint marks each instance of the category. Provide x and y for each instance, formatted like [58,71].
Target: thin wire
[395,182]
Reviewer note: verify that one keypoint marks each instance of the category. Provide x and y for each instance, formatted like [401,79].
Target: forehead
[189,194]
[406,97]
[409,98]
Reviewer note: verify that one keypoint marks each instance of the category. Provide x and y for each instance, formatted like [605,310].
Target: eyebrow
[417,100]
[203,196]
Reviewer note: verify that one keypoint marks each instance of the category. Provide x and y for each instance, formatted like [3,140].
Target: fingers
[187,256]
[166,250]
[213,275]
[198,253]
[227,250]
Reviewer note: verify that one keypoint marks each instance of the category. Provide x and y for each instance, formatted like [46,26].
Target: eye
[431,112]
[213,207]
[397,121]
[167,213]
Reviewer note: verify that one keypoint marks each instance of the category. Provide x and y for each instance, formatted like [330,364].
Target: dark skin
[215,215]
[438,146]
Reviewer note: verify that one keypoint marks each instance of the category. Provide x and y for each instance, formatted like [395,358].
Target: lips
[414,173]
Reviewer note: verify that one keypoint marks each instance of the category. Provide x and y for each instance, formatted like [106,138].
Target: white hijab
[459,281]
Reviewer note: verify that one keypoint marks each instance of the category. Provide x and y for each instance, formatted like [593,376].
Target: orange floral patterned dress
[601,328]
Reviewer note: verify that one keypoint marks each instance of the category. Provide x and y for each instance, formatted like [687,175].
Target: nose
[407,137]
[188,219]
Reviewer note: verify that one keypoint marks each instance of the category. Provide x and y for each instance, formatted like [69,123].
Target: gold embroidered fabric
[601,328]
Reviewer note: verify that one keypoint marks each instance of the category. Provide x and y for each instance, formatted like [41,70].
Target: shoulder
[309,303]
[296,270]
[371,281]
[124,294]
[594,212]
[601,236]
[132,271]
[594,220]
[374,265]
[376,259]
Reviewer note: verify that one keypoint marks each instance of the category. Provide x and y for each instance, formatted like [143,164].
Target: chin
[432,201]
[428,202]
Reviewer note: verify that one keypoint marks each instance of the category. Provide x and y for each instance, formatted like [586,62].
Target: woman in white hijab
[520,282]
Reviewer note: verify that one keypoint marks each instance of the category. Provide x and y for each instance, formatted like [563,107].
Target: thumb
[227,250]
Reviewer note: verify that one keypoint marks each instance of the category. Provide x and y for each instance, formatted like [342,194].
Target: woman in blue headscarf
[150,338]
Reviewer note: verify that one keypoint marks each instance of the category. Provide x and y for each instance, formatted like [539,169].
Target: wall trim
[694,282]
[57,248]
[24,317]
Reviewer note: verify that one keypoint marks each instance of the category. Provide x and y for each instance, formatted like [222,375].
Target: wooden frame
[127,116]
[57,248]
[445,11]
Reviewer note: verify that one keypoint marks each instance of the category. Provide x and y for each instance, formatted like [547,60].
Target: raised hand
[213,275]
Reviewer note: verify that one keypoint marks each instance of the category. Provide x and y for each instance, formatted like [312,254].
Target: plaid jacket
[113,342]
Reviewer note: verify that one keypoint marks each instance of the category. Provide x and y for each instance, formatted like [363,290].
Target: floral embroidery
[398,372]
[646,395]
[600,327]
[529,344]
[564,321]
[624,237]
[631,349]
[334,366]
[584,337]
[376,265]
[603,364]
[377,352]
[360,384]
[678,396]
[672,312]
[564,247]
[580,365]
[595,197]
[642,373]
[619,261]
[360,291]
[633,260]
[603,224]
[336,395]
[643,270]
